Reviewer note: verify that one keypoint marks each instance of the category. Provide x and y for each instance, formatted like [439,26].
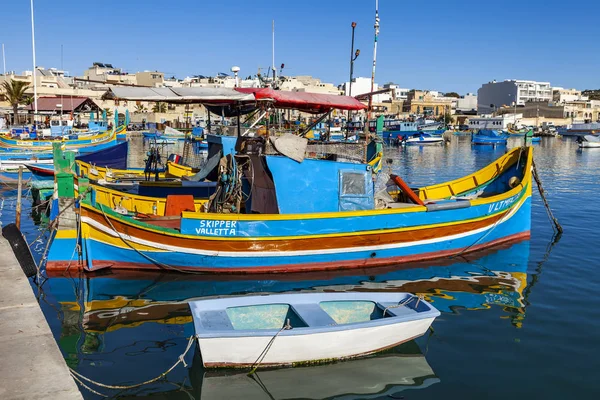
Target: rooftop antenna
[35,103]
[374,57]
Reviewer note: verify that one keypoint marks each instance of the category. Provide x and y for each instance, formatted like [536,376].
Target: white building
[493,95]
[467,103]
[400,94]
[361,86]
[500,122]
[562,95]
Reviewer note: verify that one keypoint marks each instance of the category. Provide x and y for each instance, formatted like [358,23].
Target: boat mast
[273,54]
[35,103]
[374,58]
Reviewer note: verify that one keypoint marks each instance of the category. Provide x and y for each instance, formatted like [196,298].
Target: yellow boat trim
[119,243]
[498,166]
[136,203]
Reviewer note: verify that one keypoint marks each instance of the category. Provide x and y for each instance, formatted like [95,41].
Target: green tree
[14,92]
[159,108]
[452,94]
[140,108]
[109,113]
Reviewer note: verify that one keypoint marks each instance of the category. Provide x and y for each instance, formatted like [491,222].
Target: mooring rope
[159,263]
[556,225]
[403,303]
[263,354]
[181,359]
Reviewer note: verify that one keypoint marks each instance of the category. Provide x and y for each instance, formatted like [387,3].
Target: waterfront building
[106,73]
[467,103]
[150,78]
[306,83]
[494,95]
[398,93]
[428,103]
[561,95]
[500,122]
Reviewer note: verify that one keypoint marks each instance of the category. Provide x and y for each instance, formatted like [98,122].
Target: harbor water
[520,321]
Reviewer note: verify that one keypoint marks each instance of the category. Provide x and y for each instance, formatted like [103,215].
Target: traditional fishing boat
[347,228]
[489,137]
[580,129]
[258,222]
[88,143]
[310,327]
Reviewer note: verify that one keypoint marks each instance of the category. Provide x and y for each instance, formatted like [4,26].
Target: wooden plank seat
[313,315]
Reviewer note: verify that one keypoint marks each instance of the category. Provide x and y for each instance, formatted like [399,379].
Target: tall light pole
[3,59]
[374,57]
[35,107]
[353,57]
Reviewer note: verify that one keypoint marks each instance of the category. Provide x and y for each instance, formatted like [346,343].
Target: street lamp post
[353,56]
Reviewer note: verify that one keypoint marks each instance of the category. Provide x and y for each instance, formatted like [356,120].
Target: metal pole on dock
[374,59]
[35,103]
[19,188]
[353,57]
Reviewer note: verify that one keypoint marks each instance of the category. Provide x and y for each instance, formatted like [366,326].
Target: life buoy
[407,190]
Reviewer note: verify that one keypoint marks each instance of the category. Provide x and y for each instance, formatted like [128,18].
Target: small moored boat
[303,328]
[589,141]
[422,138]
[489,137]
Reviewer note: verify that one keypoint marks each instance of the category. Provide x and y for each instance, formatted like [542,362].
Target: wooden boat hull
[91,143]
[222,243]
[242,352]
[324,327]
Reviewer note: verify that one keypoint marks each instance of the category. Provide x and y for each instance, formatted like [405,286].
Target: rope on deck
[555,225]
[180,360]
[405,302]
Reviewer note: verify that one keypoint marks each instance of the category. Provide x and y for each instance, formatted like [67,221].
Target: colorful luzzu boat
[88,143]
[333,224]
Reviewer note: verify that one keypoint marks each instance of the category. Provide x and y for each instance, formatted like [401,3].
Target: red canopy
[304,101]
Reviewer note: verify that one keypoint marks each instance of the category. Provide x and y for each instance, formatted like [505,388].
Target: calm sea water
[521,321]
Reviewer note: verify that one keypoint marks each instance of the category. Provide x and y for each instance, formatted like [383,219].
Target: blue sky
[436,45]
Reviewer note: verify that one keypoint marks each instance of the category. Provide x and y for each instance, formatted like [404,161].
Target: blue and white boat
[592,128]
[305,327]
[489,137]
[422,138]
[398,130]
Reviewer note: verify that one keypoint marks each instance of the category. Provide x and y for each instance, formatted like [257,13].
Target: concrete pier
[31,364]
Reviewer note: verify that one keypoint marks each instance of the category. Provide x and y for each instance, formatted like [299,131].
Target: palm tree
[14,91]
[109,113]
[159,108]
[140,108]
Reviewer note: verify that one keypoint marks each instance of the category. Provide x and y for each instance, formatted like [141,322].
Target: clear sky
[436,45]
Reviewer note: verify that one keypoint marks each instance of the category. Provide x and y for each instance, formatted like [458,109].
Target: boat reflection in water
[122,328]
[399,369]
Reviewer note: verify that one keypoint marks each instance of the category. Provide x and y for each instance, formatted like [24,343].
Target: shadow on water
[122,328]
